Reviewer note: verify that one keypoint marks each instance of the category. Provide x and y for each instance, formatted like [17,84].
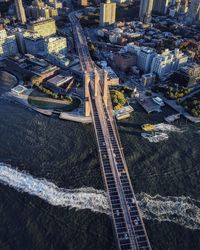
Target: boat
[122,116]
[148,127]
[158,101]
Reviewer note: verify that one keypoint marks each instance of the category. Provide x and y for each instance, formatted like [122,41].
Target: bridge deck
[127,221]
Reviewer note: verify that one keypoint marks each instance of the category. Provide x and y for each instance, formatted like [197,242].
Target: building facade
[168,62]
[43,46]
[36,12]
[34,45]
[8,45]
[194,11]
[107,13]
[20,11]
[43,28]
[83,3]
[146,7]
[125,61]
[145,58]
[55,44]
[161,6]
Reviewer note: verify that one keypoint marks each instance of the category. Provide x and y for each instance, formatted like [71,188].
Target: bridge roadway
[127,221]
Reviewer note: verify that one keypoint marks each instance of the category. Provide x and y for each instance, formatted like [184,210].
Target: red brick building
[124,61]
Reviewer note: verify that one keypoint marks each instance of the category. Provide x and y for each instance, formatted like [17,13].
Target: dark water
[65,153]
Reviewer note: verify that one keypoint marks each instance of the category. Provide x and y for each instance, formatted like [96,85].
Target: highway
[127,221]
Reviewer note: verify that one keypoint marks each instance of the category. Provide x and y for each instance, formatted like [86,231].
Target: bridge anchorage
[127,221]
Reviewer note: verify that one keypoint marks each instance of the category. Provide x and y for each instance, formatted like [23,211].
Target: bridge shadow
[135,133]
[129,125]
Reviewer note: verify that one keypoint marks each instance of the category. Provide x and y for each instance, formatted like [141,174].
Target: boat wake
[82,198]
[155,137]
[167,128]
[162,132]
[182,210]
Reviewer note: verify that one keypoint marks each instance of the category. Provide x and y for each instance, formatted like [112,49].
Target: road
[127,221]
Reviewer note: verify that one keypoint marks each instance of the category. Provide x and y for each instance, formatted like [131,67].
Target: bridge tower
[96,82]
[105,86]
[86,90]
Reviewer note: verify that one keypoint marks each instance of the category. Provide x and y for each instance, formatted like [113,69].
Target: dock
[75,118]
[181,110]
[148,104]
[172,118]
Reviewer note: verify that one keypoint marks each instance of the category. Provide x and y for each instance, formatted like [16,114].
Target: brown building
[1,27]
[83,3]
[124,61]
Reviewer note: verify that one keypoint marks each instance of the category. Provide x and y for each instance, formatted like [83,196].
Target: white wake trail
[167,128]
[181,210]
[162,131]
[82,198]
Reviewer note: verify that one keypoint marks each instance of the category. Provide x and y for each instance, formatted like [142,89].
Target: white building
[8,45]
[168,62]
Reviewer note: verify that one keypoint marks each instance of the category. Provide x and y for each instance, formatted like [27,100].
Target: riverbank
[75,116]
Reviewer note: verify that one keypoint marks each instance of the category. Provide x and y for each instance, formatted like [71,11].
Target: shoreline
[23,99]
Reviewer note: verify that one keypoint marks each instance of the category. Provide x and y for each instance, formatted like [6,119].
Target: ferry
[159,101]
[148,127]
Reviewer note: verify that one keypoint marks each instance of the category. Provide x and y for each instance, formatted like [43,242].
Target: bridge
[127,221]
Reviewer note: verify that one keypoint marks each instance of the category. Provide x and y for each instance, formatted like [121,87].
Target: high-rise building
[194,11]
[146,7]
[184,7]
[144,59]
[107,13]
[20,11]
[160,6]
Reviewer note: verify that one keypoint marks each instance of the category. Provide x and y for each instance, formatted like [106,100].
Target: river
[65,154]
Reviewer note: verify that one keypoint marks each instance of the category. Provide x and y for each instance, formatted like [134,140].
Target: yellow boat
[148,127]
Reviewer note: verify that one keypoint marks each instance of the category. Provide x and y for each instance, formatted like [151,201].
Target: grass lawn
[43,101]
